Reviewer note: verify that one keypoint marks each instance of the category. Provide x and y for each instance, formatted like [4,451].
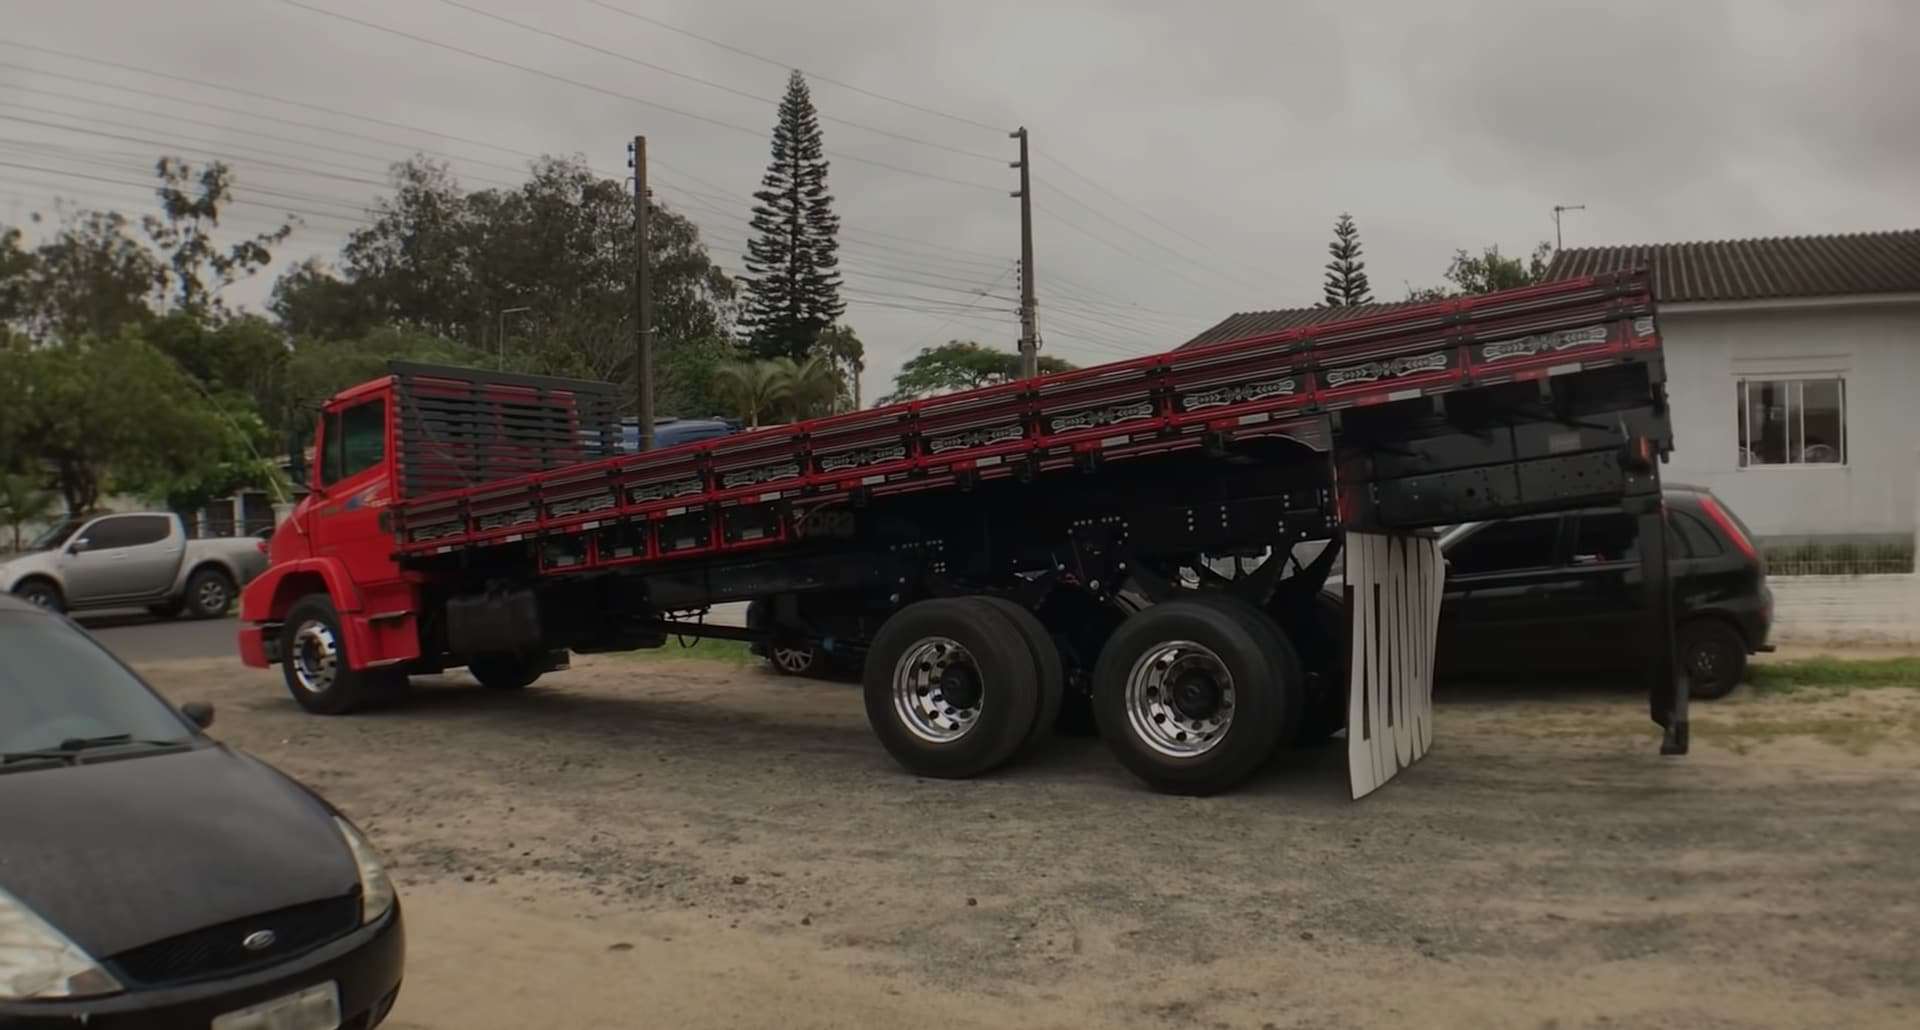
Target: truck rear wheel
[504,671]
[951,687]
[1050,679]
[314,660]
[1193,695]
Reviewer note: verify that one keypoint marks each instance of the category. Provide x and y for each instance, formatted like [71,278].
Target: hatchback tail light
[1725,521]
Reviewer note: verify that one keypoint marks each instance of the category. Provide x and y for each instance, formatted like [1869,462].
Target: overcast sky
[1190,157]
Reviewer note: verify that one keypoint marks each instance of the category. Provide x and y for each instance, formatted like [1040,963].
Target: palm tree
[754,388]
[815,385]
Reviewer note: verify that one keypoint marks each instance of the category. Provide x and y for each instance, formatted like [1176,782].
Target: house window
[1793,422]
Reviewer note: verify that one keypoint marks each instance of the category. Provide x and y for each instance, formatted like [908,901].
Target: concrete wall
[1875,348]
[1841,610]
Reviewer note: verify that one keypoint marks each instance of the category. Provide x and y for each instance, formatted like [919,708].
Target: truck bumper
[252,643]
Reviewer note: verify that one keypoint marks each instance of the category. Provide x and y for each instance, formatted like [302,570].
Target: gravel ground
[670,842]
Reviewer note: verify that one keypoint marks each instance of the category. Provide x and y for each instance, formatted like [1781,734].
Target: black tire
[314,660]
[1713,658]
[1287,666]
[1263,674]
[41,593]
[503,671]
[166,610]
[996,670]
[209,593]
[1051,681]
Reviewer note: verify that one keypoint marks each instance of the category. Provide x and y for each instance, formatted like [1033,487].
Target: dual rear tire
[1191,696]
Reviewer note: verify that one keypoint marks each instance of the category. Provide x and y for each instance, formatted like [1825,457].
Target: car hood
[14,568]
[121,853]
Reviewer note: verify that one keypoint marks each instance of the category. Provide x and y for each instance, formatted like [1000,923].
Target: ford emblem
[259,940]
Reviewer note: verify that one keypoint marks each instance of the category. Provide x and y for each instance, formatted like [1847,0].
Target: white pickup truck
[139,559]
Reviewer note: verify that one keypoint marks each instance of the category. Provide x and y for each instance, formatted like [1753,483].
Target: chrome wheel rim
[212,596]
[937,692]
[316,657]
[1180,699]
[793,659]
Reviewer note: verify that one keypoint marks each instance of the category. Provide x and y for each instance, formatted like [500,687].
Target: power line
[122,182]
[994,158]
[783,65]
[1103,216]
[1119,200]
[630,98]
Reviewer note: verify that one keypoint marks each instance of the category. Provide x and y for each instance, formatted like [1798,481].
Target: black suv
[1563,591]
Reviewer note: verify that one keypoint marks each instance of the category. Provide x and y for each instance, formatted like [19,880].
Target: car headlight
[39,962]
[376,890]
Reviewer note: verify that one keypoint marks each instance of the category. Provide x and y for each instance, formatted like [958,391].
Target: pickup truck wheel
[209,593]
[1047,667]
[950,688]
[1193,695]
[41,593]
[503,671]
[315,659]
[1713,659]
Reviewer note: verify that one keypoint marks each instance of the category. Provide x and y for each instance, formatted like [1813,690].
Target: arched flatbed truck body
[473,511]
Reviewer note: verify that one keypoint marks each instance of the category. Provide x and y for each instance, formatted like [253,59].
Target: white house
[1793,369]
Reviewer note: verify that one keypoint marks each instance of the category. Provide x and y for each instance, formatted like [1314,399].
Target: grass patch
[1828,672]
[729,652]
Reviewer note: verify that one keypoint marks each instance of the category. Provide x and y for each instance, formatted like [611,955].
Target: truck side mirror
[200,713]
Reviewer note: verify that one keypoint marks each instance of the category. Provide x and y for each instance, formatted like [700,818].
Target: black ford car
[151,877]
[1564,592]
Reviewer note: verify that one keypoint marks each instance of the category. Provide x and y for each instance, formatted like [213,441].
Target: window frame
[1556,561]
[89,531]
[1795,384]
[333,441]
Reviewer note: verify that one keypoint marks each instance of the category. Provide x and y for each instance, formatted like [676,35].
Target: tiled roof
[1765,269]
[1257,323]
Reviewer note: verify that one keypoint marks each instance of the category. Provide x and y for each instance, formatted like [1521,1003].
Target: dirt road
[697,844]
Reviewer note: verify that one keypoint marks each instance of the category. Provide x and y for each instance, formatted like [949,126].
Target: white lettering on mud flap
[1394,583]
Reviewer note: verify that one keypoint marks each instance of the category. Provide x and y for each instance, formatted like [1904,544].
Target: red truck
[998,554]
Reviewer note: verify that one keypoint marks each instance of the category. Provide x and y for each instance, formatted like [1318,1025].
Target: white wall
[1837,610]
[1875,348]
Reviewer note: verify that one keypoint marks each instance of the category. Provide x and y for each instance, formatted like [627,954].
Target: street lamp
[504,312]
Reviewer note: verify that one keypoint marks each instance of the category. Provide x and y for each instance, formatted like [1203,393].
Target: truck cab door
[122,558]
[353,488]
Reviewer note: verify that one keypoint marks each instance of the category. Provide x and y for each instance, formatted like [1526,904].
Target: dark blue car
[672,432]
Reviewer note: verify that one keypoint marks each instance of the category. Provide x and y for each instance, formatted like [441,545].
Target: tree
[1488,271]
[847,356]
[814,388]
[960,365]
[98,407]
[196,268]
[22,500]
[754,388]
[1346,283]
[684,376]
[91,277]
[793,278]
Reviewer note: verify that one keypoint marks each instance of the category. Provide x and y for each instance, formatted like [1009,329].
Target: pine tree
[793,278]
[1346,273]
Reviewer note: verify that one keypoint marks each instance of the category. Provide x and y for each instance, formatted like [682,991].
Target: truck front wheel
[314,659]
[950,688]
[1192,696]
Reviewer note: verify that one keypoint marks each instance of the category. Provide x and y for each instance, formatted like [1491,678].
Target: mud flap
[1394,583]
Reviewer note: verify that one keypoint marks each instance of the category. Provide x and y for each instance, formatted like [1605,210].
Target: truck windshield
[58,686]
[55,535]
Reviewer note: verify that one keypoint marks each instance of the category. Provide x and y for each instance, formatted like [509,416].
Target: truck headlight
[376,890]
[39,962]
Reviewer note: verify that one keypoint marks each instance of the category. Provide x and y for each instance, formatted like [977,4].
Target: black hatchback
[151,877]
[1564,592]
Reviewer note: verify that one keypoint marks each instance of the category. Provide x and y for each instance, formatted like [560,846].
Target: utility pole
[1557,209]
[1029,330]
[642,290]
[501,343]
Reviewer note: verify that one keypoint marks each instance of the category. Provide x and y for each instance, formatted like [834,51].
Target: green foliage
[793,278]
[752,389]
[23,499]
[196,268]
[1346,283]
[1830,674]
[93,277]
[684,376]
[847,356]
[1488,271]
[446,262]
[960,365]
[92,407]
